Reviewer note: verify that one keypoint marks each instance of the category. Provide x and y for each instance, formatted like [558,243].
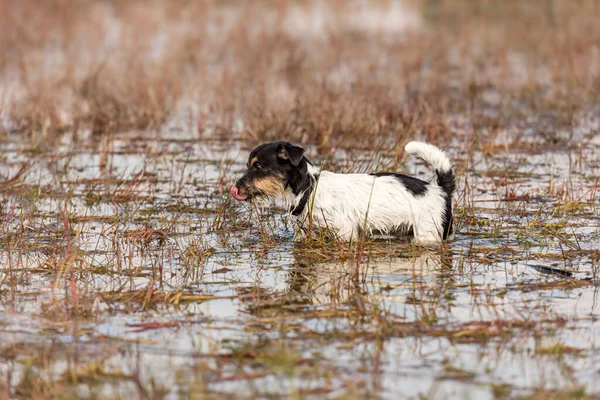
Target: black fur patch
[447,182]
[267,160]
[414,185]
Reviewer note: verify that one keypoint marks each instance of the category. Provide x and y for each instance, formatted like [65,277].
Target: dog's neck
[303,189]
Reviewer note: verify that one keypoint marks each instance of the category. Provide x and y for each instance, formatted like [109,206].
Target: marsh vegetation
[126,270]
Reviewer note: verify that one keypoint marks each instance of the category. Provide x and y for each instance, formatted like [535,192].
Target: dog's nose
[235,194]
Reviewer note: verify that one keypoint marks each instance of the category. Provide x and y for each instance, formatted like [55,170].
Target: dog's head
[273,169]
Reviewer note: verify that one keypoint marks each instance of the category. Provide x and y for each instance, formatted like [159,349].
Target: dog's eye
[256,165]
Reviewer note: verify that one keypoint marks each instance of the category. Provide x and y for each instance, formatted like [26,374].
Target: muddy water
[126,269]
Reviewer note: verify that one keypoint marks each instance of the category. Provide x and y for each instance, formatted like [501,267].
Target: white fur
[428,152]
[347,204]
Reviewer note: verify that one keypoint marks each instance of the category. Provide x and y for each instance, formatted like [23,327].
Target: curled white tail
[428,152]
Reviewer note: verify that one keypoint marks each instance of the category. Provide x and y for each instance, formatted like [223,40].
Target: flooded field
[137,275]
[126,270]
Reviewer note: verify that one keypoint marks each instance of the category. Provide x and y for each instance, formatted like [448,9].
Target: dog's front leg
[300,231]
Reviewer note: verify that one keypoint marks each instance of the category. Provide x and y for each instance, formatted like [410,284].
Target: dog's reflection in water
[337,282]
[307,285]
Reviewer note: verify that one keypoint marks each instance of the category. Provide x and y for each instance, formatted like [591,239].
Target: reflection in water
[333,282]
[405,285]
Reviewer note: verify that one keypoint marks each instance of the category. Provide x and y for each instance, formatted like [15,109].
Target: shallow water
[129,271]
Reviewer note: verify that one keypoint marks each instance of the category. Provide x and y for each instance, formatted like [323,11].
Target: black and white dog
[352,204]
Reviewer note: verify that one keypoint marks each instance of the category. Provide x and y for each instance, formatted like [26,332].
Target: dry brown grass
[242,70]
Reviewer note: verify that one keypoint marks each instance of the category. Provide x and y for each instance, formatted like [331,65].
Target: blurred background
[323,72]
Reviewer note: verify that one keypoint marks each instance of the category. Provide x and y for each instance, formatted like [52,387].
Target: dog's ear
[287,151]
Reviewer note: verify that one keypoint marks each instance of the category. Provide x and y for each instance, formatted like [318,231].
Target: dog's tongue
[236,195]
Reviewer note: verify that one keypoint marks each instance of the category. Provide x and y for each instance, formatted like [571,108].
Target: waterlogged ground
[126,270]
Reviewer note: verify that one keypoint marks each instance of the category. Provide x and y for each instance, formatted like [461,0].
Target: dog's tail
[439,161]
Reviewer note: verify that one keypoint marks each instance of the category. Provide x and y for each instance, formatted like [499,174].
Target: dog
[352,205]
